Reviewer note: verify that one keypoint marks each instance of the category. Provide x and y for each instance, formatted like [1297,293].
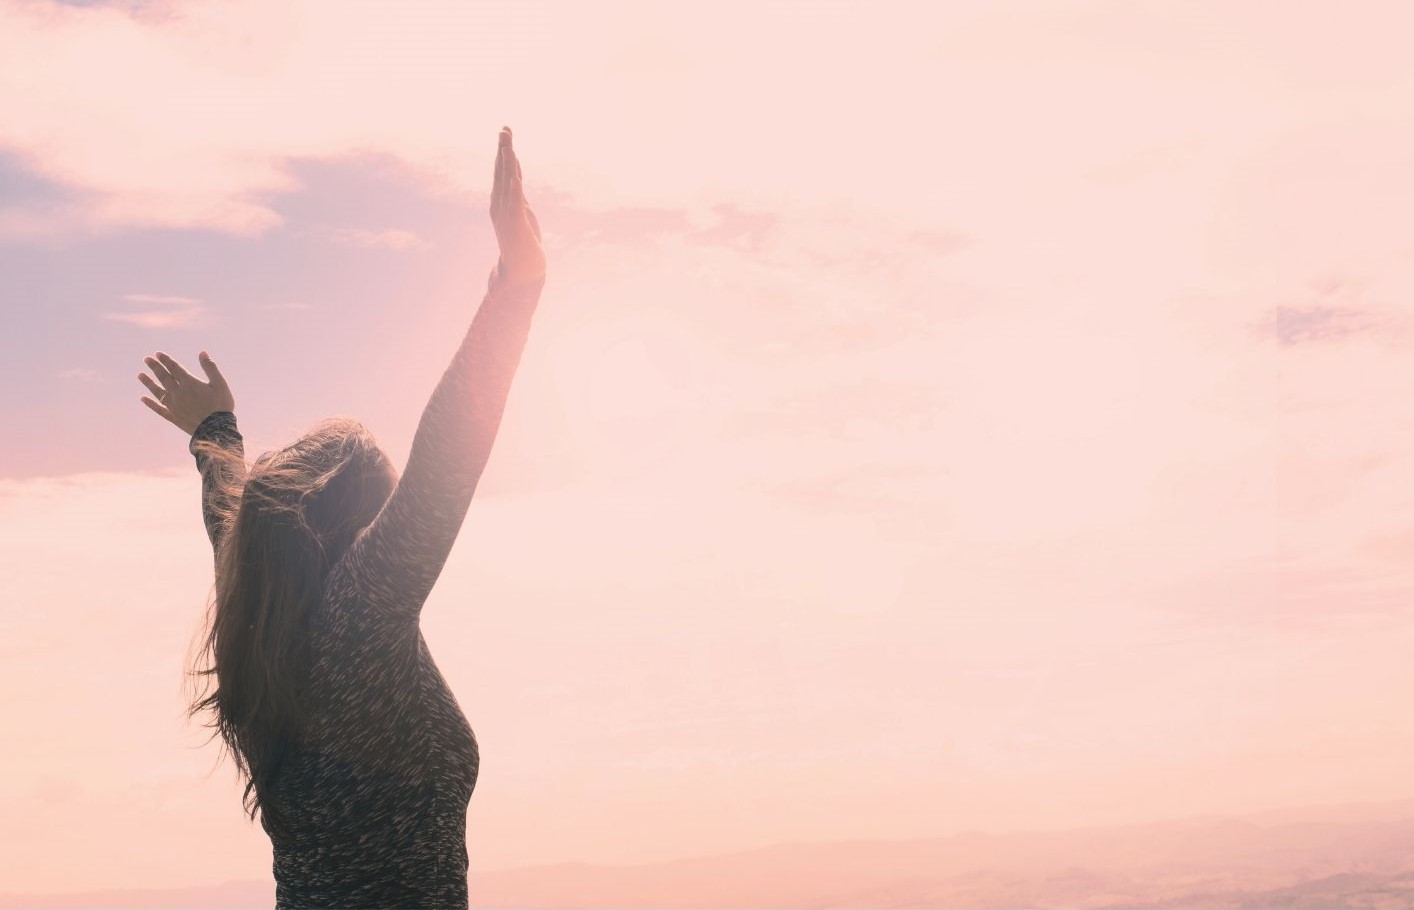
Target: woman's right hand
[517,231]
[179,397]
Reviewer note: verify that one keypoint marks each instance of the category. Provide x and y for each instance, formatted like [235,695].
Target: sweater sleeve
[394,562]
[218,476]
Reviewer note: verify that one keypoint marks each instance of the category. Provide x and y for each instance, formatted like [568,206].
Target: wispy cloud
[1340,307]
[160,298]
[1315,322]
[180,311]
[84,374]
[156,319]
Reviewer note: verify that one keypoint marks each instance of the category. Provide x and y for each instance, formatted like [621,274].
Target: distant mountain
[235,895]
[1348,889]
[1329,857]
[1191,863]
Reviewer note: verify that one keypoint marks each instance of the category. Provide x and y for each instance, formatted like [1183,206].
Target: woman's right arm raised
[396,560]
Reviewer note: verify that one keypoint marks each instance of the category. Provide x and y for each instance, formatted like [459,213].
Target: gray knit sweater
[377,787]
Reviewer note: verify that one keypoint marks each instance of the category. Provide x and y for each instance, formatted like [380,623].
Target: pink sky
[938,416]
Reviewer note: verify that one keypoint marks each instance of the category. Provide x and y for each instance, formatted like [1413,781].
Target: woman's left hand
[181,399]
[517,229]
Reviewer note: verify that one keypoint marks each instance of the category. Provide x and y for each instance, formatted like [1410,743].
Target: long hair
[286,524]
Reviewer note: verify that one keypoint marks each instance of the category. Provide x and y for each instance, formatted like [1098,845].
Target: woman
[354,749]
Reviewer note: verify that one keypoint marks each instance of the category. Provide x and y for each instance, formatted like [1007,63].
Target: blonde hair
[285,524]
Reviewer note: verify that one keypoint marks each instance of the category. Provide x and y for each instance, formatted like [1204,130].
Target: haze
[938,416]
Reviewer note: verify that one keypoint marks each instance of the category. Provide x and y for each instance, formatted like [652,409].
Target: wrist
[219,416]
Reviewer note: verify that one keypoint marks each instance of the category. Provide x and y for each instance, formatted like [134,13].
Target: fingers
[498,181]
[179,372]
[152,387]
[213,372]
[160,371]
[515,180]
[496,186]
[507,191]
[161,411]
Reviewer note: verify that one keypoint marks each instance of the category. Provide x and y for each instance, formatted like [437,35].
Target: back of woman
[355,750]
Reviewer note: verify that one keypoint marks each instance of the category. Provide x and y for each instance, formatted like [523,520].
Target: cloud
[154,10]
[242,90]
[156,319]
[173,299]
[85,374]
[180,311]
[1314,322]
[1340,306]
[809,280]
[1006,444]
